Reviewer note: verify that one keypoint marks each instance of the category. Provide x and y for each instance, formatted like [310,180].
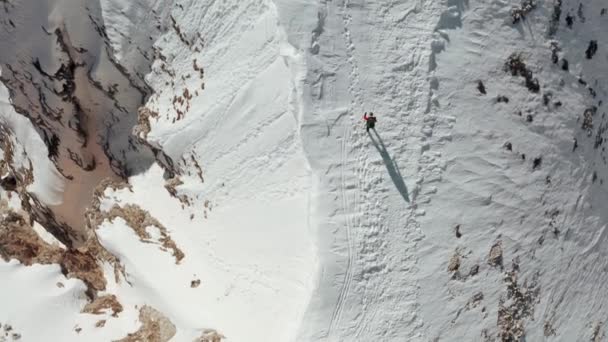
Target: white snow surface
[299,224]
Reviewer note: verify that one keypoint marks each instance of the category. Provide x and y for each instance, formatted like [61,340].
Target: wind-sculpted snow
[522,184]
[200,170]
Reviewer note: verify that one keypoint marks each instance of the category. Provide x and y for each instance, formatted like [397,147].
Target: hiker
[370,120]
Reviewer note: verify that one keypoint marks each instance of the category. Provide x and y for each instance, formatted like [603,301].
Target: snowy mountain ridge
[200,170]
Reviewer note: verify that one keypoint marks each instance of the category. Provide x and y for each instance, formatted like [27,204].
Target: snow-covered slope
[199,170]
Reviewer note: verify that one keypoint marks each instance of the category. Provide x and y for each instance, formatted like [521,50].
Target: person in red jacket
[370,120]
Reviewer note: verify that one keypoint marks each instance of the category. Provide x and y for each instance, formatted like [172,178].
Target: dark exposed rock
[569,21]
[474,270]
[495,256]
[9,183]
[536,163]
[457,231]
[481,87]
[517,67]
[519,13]
[591,50]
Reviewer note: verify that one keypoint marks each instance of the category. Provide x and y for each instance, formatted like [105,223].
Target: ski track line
[354,81]
[356,103]
[337,314]
[362,170]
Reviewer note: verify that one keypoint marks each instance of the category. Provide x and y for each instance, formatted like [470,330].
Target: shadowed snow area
[64,76]
[200,170]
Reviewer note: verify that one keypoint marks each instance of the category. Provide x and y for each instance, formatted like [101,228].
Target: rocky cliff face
[82,99]
[72,118]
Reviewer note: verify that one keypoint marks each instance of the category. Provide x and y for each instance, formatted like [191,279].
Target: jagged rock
[519,13]
[103,303]
[474,301]
[143,127]
[155,327]
[516,306]
[481,87]
[18,240]
[139,219]
[9,183]
[210,336]
[536,163]
[495,257]
[591,50]
[454,264]
[83,265]
[569,20]
[474,270]
[517,67]
[502,98]
[457,231]
[598,333]
[171,184]
[548,329]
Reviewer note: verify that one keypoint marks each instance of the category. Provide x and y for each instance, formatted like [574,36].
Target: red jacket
[371,119]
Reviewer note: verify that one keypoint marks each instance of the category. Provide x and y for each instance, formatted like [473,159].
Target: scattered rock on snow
[519,13]
[591,50]
[588,119]
[139,219]
[457,230]
[474,270]
[454,263]
[474,301]
[516,306]
[502,98]
[154,327]
[210,336]
[495,256]
[598,333]
[517,67]
[548,329]
[537,163]
[481,87]
[569,21]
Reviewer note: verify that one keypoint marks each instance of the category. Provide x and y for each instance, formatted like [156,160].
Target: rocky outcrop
[139,220]
[19,241]
[210,336]
[103,304]
[155,327]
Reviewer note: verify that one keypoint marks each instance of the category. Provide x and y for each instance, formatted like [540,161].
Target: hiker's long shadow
[391,166]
